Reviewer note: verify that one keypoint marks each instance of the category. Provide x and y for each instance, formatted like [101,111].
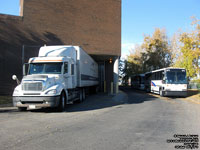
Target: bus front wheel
[161,93]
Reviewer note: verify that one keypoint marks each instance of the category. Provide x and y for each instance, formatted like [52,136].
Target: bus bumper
[176,93]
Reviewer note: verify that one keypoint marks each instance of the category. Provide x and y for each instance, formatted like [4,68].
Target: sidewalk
[6,104]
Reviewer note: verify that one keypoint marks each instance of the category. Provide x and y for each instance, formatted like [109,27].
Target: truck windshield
[176,77]
[45,68]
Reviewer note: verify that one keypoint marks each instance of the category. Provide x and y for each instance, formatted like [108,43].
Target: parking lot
[129,120]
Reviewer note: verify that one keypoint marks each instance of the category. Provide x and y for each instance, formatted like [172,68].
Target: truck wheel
[22,108]
[83,94]
[62,102]
[80,96]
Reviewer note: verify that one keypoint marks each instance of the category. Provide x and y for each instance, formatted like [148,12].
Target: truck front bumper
[36,101]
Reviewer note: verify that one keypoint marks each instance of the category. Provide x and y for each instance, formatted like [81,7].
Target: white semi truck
[59,75]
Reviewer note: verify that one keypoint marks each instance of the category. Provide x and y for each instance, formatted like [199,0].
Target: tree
[157,50]
[135,61]
[190,50]
[153,53]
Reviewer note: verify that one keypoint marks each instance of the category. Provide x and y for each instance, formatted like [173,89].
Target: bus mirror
[163,81]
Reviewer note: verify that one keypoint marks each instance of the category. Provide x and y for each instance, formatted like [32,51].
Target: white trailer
[59,75]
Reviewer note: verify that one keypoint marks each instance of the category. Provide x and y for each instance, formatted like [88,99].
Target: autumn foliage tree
[190,50]
[157,51]
[153,53]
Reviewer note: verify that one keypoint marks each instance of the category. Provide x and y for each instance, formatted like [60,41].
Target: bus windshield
[176,77]
[45,68]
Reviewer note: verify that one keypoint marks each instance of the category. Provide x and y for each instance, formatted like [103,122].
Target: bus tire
[161,92]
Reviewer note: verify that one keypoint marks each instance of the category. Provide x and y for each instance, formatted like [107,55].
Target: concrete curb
[6,105]
[7,109]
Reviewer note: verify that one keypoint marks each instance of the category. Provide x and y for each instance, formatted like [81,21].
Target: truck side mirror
[65,75]
[14,77]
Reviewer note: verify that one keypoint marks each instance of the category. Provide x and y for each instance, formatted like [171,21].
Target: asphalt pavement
[131,120]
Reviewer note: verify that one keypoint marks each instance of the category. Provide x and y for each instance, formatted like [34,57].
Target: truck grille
[35,86]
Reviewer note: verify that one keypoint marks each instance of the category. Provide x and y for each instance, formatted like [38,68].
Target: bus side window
[157,75]
[162,75]
[152,76]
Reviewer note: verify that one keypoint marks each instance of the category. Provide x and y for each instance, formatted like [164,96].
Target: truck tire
[22,108]
[80,95]
[62,102]
[83,94]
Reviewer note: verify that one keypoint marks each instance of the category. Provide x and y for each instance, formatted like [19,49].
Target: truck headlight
[54,91]
[16,92]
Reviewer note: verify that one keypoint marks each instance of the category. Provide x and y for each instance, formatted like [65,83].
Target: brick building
[93,24]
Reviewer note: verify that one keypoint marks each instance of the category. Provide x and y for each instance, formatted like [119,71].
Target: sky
[141,17]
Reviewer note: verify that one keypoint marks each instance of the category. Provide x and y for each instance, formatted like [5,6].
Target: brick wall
[13,35]
[93,24]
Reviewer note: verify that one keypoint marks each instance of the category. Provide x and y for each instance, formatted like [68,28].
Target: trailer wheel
[22,108]
[62,102]
[80,95]
[83,94]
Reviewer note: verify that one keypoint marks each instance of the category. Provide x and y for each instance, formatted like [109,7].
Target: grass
[5,100]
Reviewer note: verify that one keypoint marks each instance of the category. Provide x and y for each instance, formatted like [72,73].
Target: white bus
[137,82]
[169,82]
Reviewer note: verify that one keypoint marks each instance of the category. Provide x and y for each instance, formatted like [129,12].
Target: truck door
[73,76]
[66,75]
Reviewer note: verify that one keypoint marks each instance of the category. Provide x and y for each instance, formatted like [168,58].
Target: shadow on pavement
[94,102]
[137,96]
[192,92]
[101,101]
